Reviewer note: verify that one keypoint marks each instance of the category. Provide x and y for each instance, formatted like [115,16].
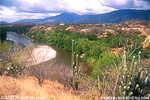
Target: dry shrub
[51,70]
[87,87]
[29,87]
[107,84]
[92,88]
[96,30]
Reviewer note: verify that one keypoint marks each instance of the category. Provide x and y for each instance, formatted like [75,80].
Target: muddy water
[62,56]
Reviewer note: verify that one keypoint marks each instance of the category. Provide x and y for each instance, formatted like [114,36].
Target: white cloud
[19,9]
[77,6]
[113,2]
[6,11]
[86,6]
[9,15]
[141,4]
[126,4]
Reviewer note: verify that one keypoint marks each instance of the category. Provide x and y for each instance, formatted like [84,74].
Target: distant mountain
[112,17]
[62,18]
[116,16]
[3,22]
[28,20]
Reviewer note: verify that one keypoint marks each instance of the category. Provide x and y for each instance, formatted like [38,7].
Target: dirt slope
[28,88]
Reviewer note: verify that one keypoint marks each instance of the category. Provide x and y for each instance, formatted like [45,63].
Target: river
[62,56]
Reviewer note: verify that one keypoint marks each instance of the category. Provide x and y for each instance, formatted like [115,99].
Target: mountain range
[111,17]
[3,22]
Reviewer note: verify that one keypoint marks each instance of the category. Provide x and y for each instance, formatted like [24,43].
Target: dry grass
[29,88]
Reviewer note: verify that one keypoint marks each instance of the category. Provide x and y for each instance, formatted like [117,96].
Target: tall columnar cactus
[75,67]
[134,80]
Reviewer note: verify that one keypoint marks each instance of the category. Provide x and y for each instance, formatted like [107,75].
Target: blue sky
[13,10]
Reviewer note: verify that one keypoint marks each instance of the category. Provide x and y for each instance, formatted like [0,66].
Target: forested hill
[112,17]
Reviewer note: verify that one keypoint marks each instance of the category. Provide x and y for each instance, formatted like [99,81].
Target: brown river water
[60,55]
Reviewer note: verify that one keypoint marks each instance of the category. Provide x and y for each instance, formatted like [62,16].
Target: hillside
[100,45]
[100,29]
[112,17]
[28,88]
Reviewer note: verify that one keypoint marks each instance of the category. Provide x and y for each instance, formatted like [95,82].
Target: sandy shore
[42,54]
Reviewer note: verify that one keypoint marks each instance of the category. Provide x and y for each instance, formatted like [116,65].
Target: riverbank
[96,51]
[42,54]
[39,53]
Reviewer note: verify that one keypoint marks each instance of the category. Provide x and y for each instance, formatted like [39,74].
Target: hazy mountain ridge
[117,16]
[62,18]
[3,22]
[112,17]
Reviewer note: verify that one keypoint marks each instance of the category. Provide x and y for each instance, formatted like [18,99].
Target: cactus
[98,82]
[75,67]
[132,80]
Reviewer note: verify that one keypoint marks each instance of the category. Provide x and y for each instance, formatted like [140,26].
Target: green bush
[3,33]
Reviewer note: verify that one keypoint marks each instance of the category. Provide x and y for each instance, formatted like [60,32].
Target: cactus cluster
[134,79]
[75,67]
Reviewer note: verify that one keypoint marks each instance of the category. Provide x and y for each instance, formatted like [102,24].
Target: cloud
[7,3]
[41,6]
[44,8]
[77,6]
[148,1]
[126,4]
[10,14]
[6,11]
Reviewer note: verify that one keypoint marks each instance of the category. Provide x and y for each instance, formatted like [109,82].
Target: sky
[13,10]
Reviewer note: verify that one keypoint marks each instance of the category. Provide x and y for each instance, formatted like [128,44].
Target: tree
[95,49]
[91,36]
[2,33]
[42,65]
[13,59]
[5,56]
[104,62]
